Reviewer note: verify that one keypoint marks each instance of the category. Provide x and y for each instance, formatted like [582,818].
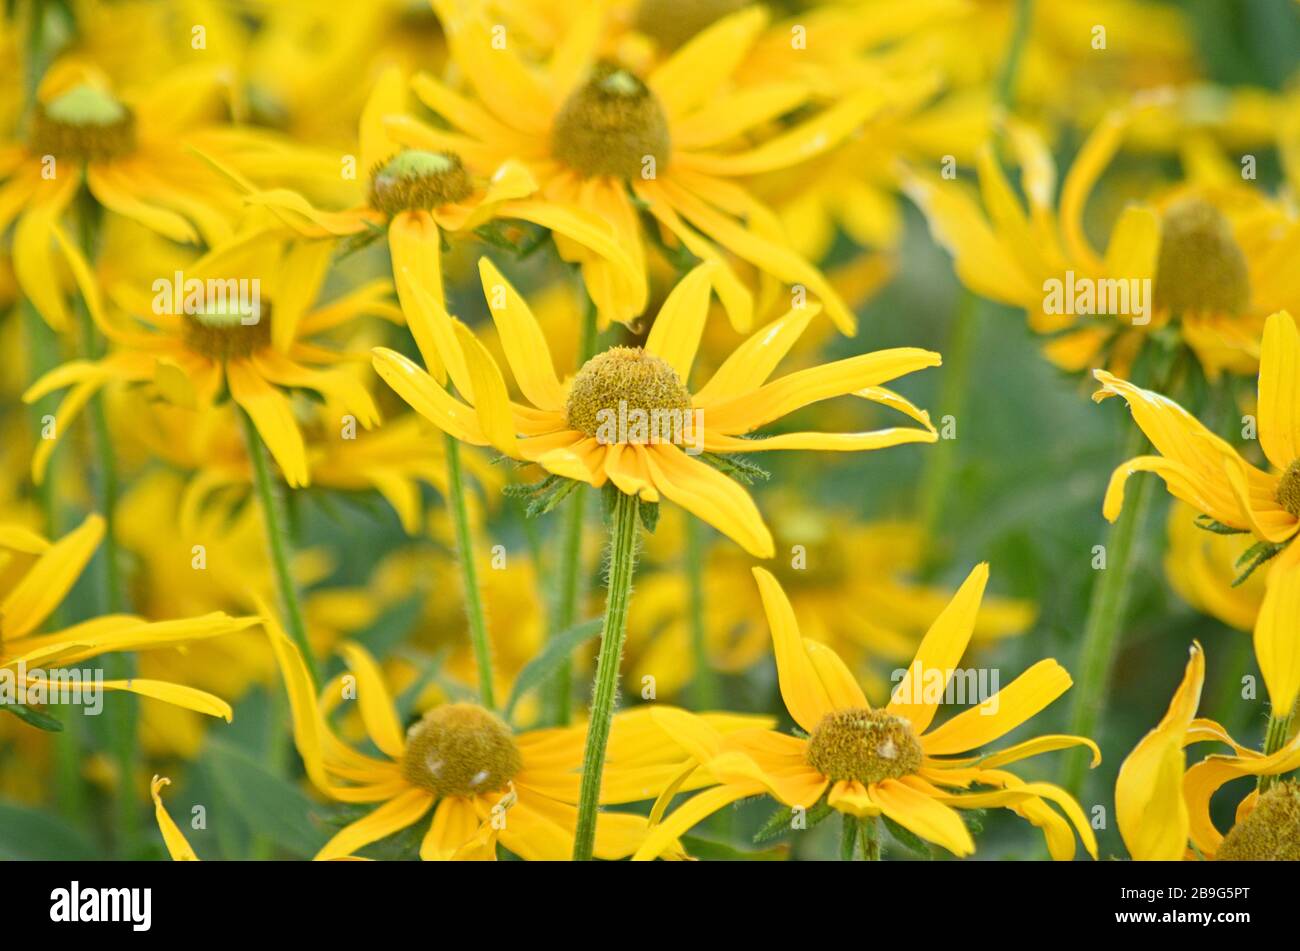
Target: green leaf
[738,467]
[33,834]
[36,718]
[270,806]
[780,822]
[649,514]
[556,652]
[1214,525]
[908,839]
[724,852]
[1257,554]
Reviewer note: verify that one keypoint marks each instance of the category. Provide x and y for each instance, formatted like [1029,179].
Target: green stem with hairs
[848,836]
[277,538]
[705,687]
[871,838]
[1106,608]
[474,614]
[622,564]
[558,692]
[1279,731]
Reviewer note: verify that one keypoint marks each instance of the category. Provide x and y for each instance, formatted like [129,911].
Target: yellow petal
[802,689]
[399,813]
[377,710]
[924,815]
[177,847]
[522,339]
[1001,713]
[178,695]
[1277,637]
[677,329]
[1149,806]
[426,397]
[941,650]
[491,399]
[709,495]
[1279,391]
[46,583]
[273,417]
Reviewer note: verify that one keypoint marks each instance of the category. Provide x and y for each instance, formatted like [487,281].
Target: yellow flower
[1199,564]
[597,136]
[136,161]
[35,576]
[886,761]
[1205,471]
[579,429]
[853,588]
[194,354]
[483,781]
[416,195]
[1160,804]
[1205,257]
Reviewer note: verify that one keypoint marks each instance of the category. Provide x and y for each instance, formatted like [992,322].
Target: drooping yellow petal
[1279,391]
[802,689]
[1149,806]
[177,847]
[426,397]
[273,417]
[46,583]
[387,97]
[688,815]
[708,494]
[924,815]
[400,812]
[178,695]
[455,823]
[1277,637]
[377,710]
[491,399]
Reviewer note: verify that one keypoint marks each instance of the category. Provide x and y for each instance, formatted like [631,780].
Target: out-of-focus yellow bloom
[1199,566]
[36,575]
[250,341]
[1205,471]
[1204,260]
[673,142]
[868,762]
[853,589]
[572,429]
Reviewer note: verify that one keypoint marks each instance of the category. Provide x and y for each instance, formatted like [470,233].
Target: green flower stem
[705,687]
[1101,633]
[558,693]
[936,480]
[1011,63]
[871,838]
[112,599]
[1279,731]
[622,564]
[474,614]
[848,836]
[278,543]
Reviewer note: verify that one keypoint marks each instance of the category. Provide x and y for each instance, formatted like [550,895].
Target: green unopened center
[224,333]
[84,123]
[1201,268]
[460,749]
[612,125]
[1271,833]
[416,180]
[615,385]
[672,22]
[866,745]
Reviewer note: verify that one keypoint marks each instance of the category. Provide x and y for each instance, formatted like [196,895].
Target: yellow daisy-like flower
[1208,258]
[853,588]
[597,136]
[580,429]
[135,159]
[417,195]
[484,782]
[886,761]
[1204,470]
[36,575]
[195,354]
[1160,804]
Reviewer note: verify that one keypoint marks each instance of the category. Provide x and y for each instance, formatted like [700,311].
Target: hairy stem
[474,613]
[622,564]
